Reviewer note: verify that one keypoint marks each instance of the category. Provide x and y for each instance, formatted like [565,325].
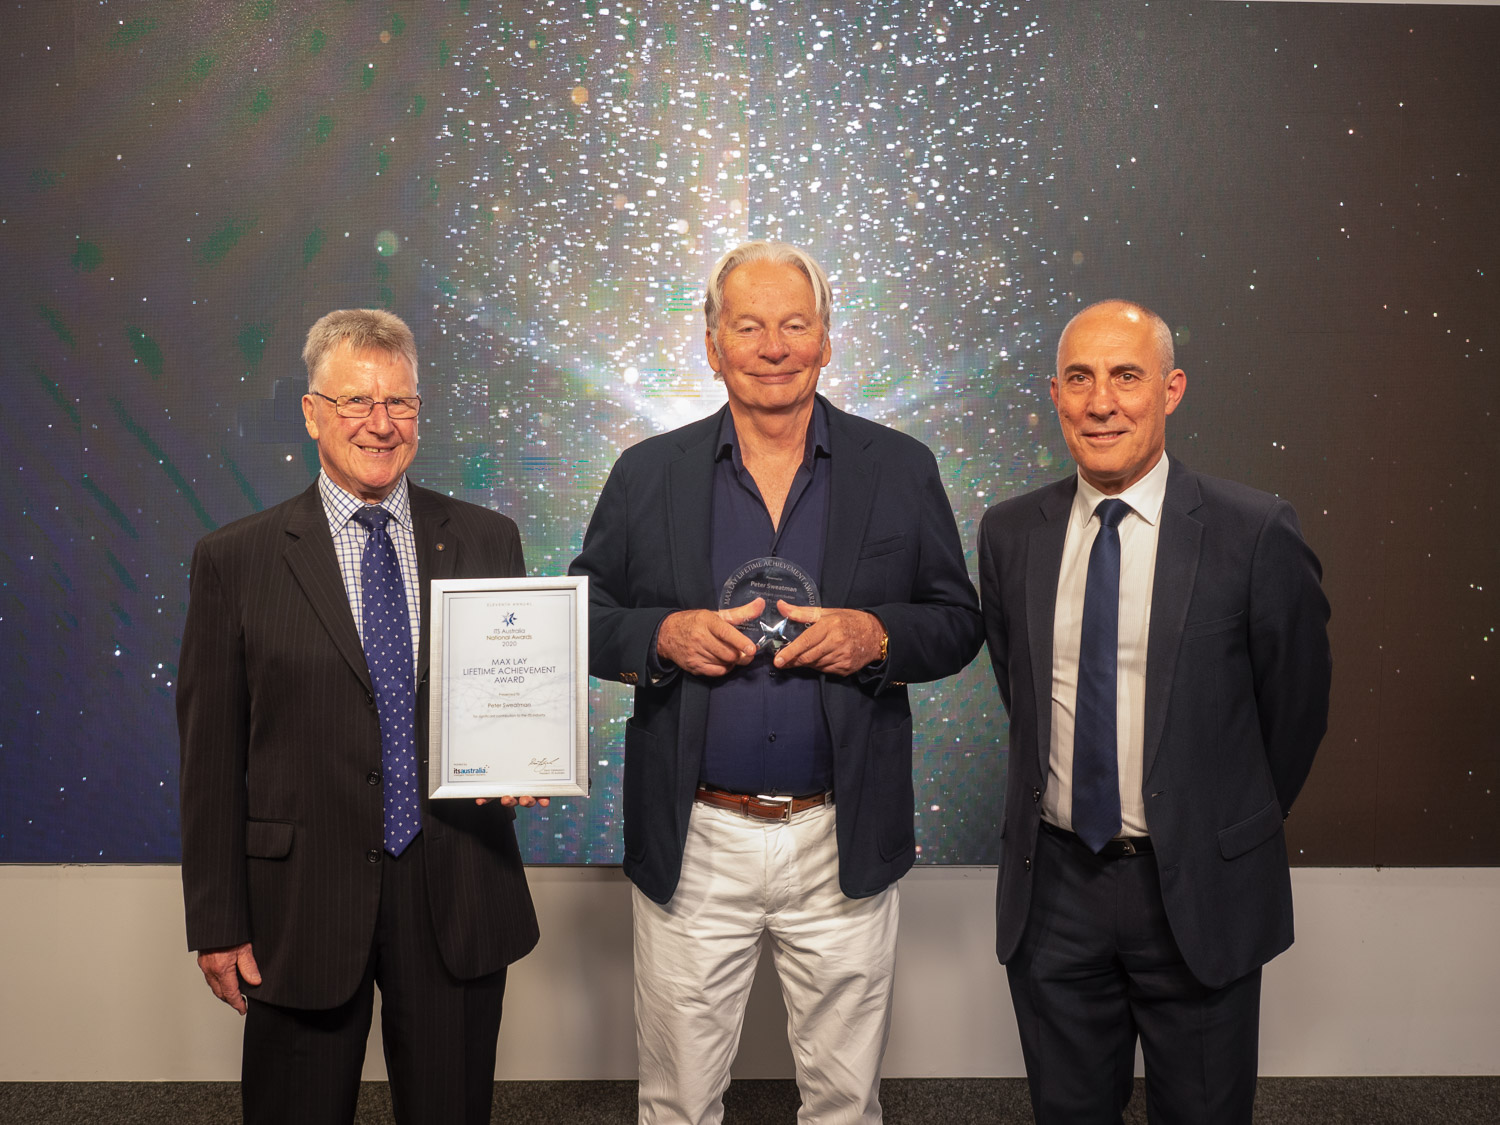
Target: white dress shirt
[1138,536]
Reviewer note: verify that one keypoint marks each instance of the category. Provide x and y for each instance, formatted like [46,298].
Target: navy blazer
[1237,681]
[892,548]
[281,806]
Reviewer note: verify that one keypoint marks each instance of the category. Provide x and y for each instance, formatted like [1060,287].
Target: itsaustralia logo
[464,771]
[508,619]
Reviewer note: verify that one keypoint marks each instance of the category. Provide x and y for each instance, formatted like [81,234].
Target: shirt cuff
[657,668]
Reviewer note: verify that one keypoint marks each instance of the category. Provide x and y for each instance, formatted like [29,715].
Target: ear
[827,348]
[1052,390]
[1176,388]
[715,361]
[309,415]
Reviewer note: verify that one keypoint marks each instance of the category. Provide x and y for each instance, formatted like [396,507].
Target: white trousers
[695,960]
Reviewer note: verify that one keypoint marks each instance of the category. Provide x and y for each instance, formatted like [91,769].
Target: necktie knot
[1111,512]
[374,518]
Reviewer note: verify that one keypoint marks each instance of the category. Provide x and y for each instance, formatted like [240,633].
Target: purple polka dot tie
[387,637]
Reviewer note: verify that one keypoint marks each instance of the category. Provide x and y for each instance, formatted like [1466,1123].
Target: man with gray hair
[768,787]
[1160,642]
[314,867]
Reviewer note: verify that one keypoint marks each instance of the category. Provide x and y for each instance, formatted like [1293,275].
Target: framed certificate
[509,701]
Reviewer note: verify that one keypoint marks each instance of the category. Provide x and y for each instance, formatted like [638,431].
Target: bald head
[1132,313]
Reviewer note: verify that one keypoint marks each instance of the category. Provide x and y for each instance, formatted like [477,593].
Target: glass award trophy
[774,580]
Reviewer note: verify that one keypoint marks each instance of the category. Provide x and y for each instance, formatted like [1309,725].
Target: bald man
[1159,640]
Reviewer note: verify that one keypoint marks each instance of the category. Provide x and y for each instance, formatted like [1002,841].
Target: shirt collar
[339,506]
[817,437]
[1145,497]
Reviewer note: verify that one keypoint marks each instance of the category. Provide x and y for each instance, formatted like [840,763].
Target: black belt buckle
[1126,846]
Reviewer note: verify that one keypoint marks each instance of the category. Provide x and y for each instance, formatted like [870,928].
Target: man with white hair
[768,791]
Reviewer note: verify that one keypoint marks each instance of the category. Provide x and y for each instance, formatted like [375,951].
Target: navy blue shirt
[766,729]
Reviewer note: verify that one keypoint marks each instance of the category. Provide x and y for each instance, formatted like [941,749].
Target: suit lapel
[1177,548]
[309,554]
[438,550]
[689,498]
[851,492]
[1044,553]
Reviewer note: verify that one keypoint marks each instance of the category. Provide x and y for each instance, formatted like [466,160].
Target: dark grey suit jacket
[892,548]
[281,804]
[1237,680]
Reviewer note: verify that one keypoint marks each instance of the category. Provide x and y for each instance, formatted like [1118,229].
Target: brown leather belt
[760,805]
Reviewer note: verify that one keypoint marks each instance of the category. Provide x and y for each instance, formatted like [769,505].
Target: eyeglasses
[358,406]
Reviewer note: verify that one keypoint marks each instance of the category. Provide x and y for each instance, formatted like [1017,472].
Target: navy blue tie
[1096,769]
[386,625]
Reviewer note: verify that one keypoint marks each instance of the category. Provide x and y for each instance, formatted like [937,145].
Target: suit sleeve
[621,634]
[997,633]
[1289,653]
[213,723]
[937,631]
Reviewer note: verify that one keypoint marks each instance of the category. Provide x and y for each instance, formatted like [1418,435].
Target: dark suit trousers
[439,1032]
[1098,966]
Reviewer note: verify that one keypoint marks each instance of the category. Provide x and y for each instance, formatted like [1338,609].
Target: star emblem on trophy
[774,580]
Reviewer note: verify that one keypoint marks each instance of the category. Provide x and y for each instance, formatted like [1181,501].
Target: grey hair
[781,253]
[362,329]
[1160,330]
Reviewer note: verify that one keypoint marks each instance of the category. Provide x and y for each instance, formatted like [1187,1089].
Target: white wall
[1394,972]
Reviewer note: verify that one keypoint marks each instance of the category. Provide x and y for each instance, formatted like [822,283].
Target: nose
[773,346]
[1102,398]
[379,420]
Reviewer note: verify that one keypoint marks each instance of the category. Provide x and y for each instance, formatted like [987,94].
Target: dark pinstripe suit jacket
[280,744]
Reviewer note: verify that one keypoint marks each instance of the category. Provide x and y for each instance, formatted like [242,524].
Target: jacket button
[370,699]
[373,855]
[373,777]
[1026,863]
[1036,794]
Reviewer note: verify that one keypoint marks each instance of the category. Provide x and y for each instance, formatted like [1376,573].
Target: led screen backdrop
[1305,192]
